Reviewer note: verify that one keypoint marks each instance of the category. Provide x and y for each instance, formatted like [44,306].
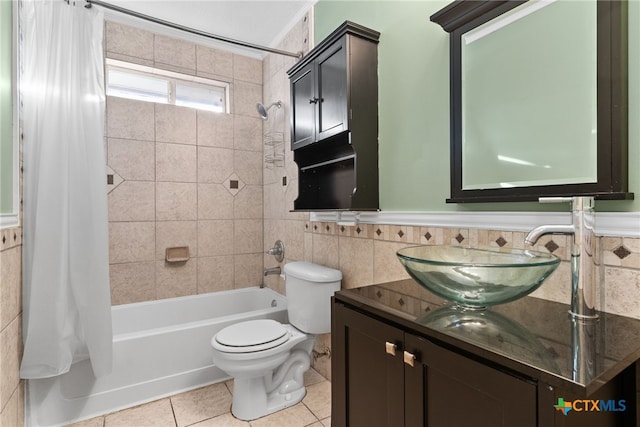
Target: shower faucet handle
[277,251]
[313,100]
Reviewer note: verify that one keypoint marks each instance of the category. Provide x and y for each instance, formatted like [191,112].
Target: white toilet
[267,359]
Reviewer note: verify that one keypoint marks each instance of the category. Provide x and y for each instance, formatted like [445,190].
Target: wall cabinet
[334,121]
[389,370]
[319,94]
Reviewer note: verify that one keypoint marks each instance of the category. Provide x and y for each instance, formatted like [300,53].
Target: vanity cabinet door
[303,111]
[446,389]
[367,380]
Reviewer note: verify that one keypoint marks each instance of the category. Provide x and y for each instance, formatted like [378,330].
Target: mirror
[538,99]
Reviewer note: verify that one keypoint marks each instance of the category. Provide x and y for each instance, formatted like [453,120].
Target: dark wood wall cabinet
[334,121]
[400,358]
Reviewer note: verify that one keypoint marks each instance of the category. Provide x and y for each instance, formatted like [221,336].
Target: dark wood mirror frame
[612,118]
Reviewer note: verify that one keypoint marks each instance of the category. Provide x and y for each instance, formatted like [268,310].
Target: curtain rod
[190,30]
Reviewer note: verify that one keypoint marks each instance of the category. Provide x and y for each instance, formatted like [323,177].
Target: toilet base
[255,397]
[250,400]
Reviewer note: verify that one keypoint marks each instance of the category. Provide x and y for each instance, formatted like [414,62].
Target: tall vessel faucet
[583,262]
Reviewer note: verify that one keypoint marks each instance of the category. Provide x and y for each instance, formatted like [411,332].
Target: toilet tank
[309,289]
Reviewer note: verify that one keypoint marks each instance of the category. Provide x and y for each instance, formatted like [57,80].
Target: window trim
[170,76]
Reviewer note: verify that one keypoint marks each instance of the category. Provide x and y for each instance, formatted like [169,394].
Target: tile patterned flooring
[210,407]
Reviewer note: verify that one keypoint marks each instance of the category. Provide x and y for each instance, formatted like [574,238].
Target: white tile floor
[210,407]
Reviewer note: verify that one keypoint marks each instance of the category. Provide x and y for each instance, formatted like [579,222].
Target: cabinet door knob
[313,101]
[409,358]
[390,348]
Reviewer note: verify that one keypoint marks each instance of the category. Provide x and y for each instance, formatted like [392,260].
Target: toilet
[268,359]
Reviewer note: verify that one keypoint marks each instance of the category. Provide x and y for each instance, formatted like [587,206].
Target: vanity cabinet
[391,369]
[384,376]
[334,121]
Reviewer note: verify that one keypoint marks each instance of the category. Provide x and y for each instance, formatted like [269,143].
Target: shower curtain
[66,305]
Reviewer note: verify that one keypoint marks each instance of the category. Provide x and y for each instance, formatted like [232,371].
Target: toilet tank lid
[312,272]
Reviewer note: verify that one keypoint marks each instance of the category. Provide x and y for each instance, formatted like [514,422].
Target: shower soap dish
[177,254]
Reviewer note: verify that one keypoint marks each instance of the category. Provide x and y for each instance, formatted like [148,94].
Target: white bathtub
[159,348]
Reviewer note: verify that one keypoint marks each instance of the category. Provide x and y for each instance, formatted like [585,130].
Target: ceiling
[261,22]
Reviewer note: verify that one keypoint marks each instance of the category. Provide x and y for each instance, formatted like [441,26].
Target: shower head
[264,112]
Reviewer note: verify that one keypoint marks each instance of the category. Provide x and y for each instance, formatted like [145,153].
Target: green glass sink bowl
[477,278]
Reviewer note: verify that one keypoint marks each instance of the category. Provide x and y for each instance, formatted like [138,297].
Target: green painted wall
[6,110]
[413,69]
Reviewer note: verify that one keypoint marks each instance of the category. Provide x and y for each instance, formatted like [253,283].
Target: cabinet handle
[409,358]
[313,101]
[390,348]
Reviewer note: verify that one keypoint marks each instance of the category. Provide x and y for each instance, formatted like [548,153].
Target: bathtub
[160,348]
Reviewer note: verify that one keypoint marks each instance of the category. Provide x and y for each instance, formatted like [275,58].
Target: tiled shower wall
[183,177]
[281,181]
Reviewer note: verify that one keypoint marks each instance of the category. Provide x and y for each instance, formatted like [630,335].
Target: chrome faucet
[277,251]
[270,271]
[583,262]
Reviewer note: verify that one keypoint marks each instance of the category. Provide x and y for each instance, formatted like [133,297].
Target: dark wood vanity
[403,357]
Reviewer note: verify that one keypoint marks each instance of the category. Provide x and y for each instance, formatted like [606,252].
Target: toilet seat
[251,336]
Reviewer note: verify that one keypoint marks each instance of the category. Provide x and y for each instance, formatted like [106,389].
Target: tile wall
[183,177]
[11,386]
[281,181]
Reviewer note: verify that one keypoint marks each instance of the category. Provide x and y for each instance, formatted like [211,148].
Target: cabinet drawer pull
[409,358]
[390,348]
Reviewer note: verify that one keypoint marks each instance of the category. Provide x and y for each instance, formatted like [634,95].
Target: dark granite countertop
[531,336]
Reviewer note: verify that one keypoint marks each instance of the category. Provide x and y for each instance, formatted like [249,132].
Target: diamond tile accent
[427,236]
[342,228]
[328,228]
[113,180]
[400,234]
[459,238]
[622,252]
[501,242]
[358,230]
[379,294]
[551,246]
[401,302]
[233,184]
[378,232]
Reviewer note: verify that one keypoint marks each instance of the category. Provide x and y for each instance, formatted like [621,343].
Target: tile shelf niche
[334,122]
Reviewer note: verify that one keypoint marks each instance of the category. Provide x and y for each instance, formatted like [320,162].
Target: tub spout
[270,271]
[583,263]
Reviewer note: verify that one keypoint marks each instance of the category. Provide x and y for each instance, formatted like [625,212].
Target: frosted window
[149,84]
[200,97]
[136,86]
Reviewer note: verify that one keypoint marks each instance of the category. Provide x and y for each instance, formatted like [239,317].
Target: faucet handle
[277,251]
[555,199]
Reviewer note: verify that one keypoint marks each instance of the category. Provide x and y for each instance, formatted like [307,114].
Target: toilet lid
[252,335]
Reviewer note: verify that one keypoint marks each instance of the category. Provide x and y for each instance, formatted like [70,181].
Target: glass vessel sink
[477,278]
